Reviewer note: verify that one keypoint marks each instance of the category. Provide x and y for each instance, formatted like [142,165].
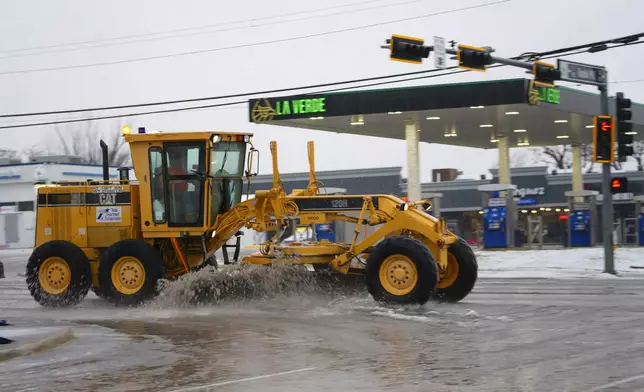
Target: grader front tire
[401,270]
[58,274]
[129,271]
[460,276]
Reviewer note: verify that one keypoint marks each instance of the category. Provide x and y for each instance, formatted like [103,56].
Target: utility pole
[607,204]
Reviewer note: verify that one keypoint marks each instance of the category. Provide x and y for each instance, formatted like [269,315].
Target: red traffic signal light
[619,185]
[603,139]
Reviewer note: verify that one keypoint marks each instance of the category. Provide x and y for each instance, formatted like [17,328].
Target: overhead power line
[453,70]
[533,55]
[195,33]
[251,20]
[281,40]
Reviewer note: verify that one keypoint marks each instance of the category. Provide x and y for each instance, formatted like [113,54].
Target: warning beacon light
[125,130]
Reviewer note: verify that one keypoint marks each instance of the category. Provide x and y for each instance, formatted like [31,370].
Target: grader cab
[120,237]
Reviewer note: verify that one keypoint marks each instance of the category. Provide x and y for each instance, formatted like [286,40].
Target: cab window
[226,165]
[185,183]
[157,181]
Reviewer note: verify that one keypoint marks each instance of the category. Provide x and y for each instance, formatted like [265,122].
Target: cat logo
[534,96]
[262,111]
[107,199]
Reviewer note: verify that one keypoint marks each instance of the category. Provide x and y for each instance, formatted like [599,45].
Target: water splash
[252,283]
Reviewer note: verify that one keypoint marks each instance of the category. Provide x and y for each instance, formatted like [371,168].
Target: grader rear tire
[401,270]
[129,271]
[58,274]
[461,273]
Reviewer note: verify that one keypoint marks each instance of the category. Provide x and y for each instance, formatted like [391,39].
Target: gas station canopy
[461,114]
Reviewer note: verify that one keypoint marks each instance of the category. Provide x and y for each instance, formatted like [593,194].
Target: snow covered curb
[559,263]
[26,342]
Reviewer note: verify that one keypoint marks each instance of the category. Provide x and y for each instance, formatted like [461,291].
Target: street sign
[582,73]
[440,56]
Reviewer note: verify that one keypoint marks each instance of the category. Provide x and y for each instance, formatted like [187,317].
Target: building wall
[541,193]
[18,195]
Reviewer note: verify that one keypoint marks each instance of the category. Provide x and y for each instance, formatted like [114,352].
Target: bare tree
[517,159]
[82,140]
[559,157]
[6,153]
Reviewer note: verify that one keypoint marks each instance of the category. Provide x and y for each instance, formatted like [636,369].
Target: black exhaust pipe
[106,166]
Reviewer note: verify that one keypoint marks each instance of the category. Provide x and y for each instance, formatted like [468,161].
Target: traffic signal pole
[607,204]
[414,50]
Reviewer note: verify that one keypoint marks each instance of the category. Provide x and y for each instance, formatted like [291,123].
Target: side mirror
[253,156]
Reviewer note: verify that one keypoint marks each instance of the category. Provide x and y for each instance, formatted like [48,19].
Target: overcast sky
[512,27]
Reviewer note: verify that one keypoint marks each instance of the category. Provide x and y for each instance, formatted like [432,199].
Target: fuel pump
[499,215]
[582,218]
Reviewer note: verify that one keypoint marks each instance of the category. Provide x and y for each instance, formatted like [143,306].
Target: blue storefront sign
[526,201]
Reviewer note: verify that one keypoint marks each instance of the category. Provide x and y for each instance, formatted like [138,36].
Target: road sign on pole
[581,73]
[440,56]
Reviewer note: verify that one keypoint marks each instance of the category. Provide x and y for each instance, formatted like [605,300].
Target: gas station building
[500,114]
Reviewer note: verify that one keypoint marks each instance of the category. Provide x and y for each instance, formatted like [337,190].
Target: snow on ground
[549,263]
[558,263]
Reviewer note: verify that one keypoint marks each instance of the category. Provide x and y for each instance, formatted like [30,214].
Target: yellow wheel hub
[447,276]
[128,275]
[54,275]
[398,275]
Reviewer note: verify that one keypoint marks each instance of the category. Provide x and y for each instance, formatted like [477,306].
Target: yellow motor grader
[120,237]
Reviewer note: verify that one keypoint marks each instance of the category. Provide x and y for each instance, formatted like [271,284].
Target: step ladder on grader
[120,237]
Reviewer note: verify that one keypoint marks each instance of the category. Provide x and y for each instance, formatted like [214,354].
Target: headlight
[216,138]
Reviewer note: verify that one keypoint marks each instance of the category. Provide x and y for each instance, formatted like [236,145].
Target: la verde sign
[300,106]
[267,109]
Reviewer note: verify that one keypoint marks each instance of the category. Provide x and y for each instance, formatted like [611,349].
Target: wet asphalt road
[508,335]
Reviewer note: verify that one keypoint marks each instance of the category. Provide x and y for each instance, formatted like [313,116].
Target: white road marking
[219,384]
[618,382]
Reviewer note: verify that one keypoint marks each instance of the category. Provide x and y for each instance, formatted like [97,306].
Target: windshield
[227,167]
[228,159]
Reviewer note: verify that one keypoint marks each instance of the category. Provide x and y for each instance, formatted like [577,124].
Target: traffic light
[623,117]
[408,49]
[619,185]
[473,58]
[545,74]
[603,139]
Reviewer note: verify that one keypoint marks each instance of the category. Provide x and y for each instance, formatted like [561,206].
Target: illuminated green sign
[300,106]
[550,95]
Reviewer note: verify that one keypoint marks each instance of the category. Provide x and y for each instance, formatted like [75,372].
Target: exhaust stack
[106,167]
